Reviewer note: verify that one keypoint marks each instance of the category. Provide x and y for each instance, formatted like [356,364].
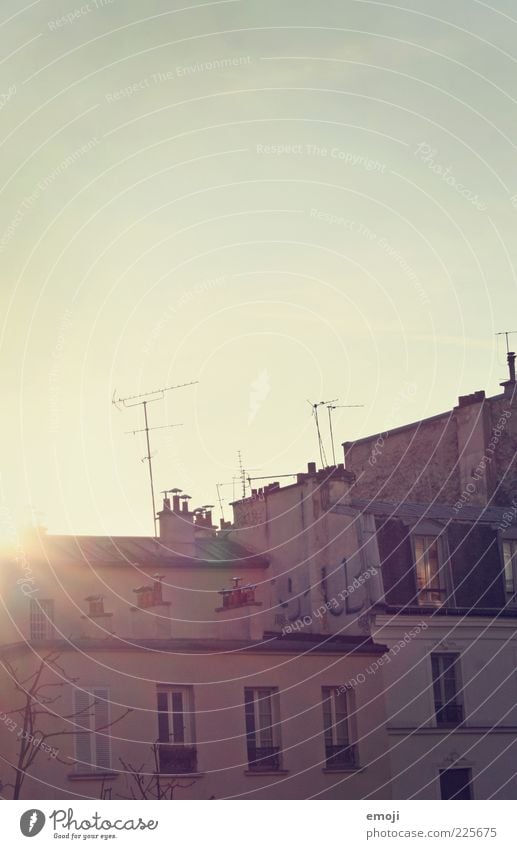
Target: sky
[283,201]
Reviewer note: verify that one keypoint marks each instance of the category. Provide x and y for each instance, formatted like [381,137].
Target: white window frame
[266,736]
[510,570]
[187,713]
[331,694]
[91,711]
[41,624]
[439,540]
[458,695]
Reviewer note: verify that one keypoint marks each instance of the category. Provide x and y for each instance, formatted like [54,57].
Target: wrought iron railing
[450,714]
[264,758]
[341,757]
[177,759]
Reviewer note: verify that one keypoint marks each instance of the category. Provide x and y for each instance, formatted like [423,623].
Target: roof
[217,550]
[438,512]
[270,643]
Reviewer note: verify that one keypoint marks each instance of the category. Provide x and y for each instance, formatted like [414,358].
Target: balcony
[177,759]
[448,715]
[341,757]
[264,758]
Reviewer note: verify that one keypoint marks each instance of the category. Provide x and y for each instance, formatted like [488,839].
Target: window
[455,784]
[510,570]
[447,701]
[92,738]
[339,753]
[262,729]
[430,579]
[176,749]
[42,619]
[95,605]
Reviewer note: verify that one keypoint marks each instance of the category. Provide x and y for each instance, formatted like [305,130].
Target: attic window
[95,605]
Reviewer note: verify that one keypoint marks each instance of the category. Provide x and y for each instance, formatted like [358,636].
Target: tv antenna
[242,474]
[331,407]
[143,400]
[321,447]
[506,333]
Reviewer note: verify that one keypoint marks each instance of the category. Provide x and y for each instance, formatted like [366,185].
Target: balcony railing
[341,757]
[265,758]
[451,714]
[177,759]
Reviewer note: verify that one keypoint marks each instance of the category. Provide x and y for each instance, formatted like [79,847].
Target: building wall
[416,464]
[487,741]
[219,679]
[192,595]
[294,528]
[467,453]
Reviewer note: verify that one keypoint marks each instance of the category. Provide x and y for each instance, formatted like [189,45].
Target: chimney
[509,385]
[177,528]
[311,468]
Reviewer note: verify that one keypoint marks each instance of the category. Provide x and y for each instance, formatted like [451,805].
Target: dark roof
[412,510]
[217,550]
[271,642]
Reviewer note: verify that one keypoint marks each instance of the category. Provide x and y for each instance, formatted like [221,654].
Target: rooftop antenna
[148,398]
[220,500]
[510,355]
[321,447]
[242,474]
[331,408]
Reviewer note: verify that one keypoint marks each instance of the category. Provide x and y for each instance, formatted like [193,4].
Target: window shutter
[398,573]
[101,720]
[476,564]
[178,726]
[82,719]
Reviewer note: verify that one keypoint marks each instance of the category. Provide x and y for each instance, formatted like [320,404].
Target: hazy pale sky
[285,200]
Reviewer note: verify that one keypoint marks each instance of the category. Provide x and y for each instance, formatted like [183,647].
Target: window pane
[250,715]
[265,717]
[455,784]
[163,719]
[178,726]
[509,559]
[341,730]
[327,716]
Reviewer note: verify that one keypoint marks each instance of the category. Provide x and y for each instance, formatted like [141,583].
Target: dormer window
[95,605]
[430,577]
[510,570]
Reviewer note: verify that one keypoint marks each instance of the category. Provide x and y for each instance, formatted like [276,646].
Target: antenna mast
[315,405]
[148,398]
[510,355]
[331,407]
